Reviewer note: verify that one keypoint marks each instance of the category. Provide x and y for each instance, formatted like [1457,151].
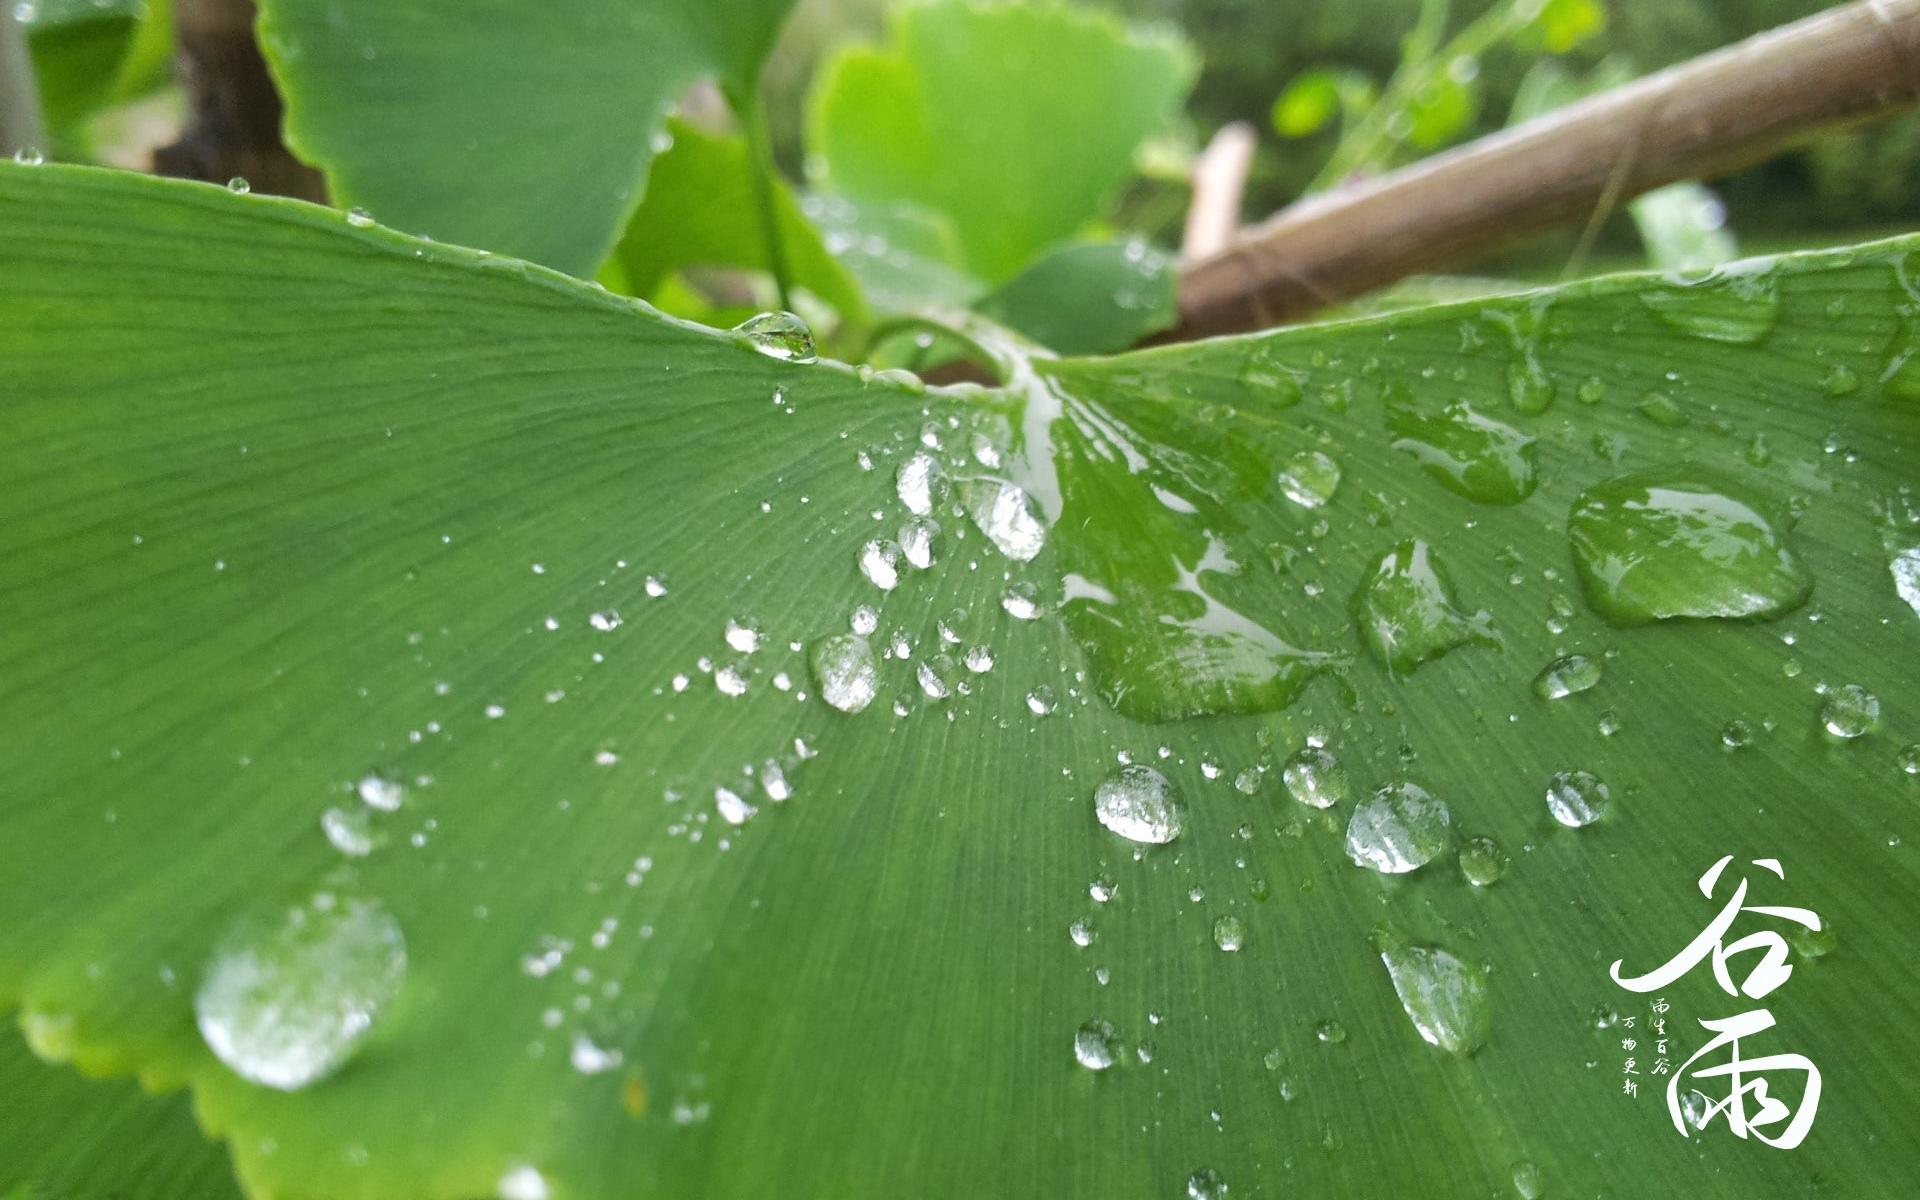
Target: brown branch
[1699,119]
[234,126]
[1219,181]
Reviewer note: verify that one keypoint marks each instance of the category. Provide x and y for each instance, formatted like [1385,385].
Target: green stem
[20,125]
[753,123]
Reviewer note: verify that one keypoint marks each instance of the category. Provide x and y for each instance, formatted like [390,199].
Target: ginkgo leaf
[930,120]
[485,738]
[520,128]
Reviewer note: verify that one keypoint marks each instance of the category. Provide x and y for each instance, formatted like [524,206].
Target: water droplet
[1840,381]
[1475,456]
[1577,798]
[1735,304]
[1040,701]
[778,335]
[1444,997]
[1315,778]
[29,156]
[742,636]
[920,542]
[522,1183]
[1565,676]
[239,186]
[1407,613]
[1096,1045]
[1228,933]
[1910,759]
[288,996]
[1482,861]
[1082,932]
[1022,601]
[1206,1184]
[1735,734]
[1006,515]
[589,1058]
[350,830]
[1102,889]
[1401,828]
[1850,711]
[1309,478]
[1138,803]
[359,218]
[380,792]
[1813,943]
[844,671]
[979,659]
[1681,543]
[880,563]
[1526,1181]
[1330,1032]
[921,485]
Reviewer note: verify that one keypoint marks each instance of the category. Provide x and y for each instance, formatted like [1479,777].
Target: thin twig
[1219,182]
[1700,119]
[748,109]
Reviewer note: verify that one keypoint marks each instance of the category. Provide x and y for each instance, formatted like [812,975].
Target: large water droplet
[1315,778]
[921,484]
[1444,997]
[778,335]
[844,671]
[1309,478]
[1850,711]
[288,996]
[1577,798]
[1140,804]
[1096,1045]
[1005,513]
[1400,828]
[1406,611]
[1565,676]
[1476,456]
[1682,542]
[1737,304]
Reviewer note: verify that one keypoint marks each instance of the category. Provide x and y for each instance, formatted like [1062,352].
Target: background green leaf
[930,119]
[521,128]
[89,54]
[1088,298]
[699,211]
[292,504]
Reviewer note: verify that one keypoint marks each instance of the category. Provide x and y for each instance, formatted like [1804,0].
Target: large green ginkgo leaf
[520,128]
[932,120]
[554,752]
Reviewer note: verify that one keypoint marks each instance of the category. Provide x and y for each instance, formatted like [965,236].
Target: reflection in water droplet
[1850,711]
[778,335]
[1735,304]
[1407,613]
[1577,798]
[1138,803]
[288,997]
[1228,933]
[1006,515]
[1315,778]
[1681,543]
[1096,1045]
[844,671]
[1309,478]
[1482,861]
[1476,456]
[1565,676]
[1444,997]
[1401,828]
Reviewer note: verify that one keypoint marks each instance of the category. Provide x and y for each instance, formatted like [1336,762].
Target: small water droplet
[349,830]
[1228,933]
[1565,676]
[1482,861]
[880,563]
[779,335]
[1315,778]
[379,792]
[1022,601]
[1577,798]
[1040,701]
[1526,1181]
[1138,803]
[239,186]
[1082,932]
[1330,1032]
[359,218]
[1206,1184]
